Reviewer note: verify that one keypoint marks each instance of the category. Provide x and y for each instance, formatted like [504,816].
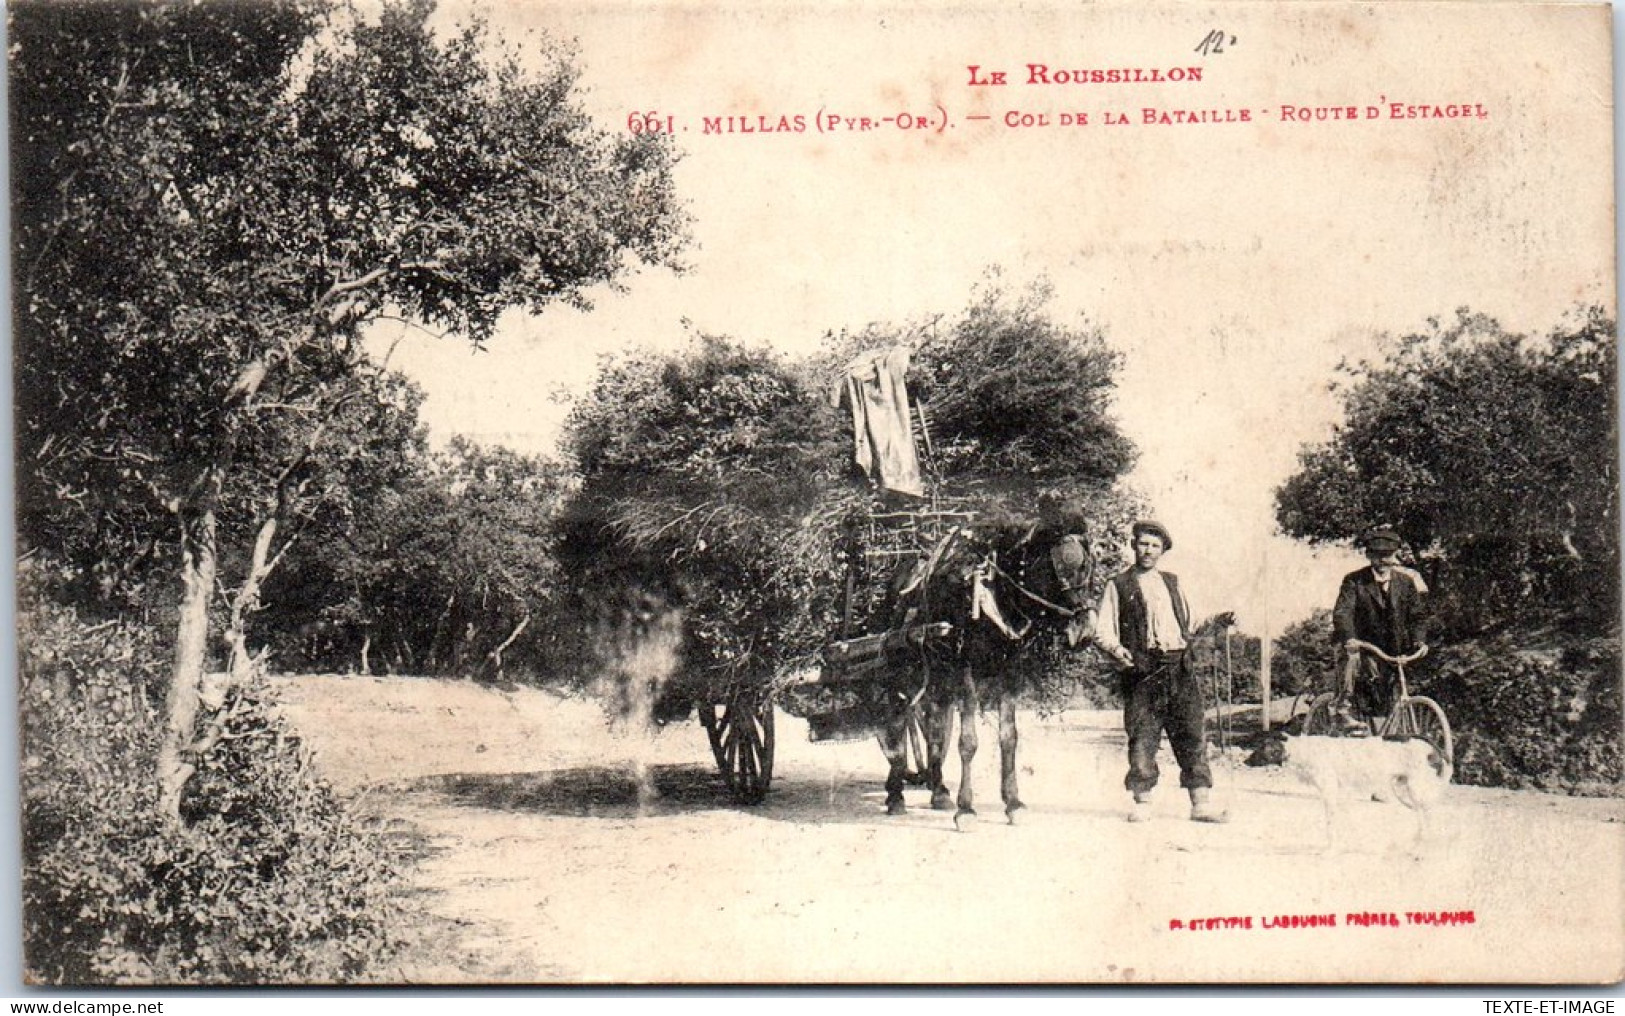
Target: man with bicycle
[1383,605]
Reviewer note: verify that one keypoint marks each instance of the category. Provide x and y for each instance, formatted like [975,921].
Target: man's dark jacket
[1393,621]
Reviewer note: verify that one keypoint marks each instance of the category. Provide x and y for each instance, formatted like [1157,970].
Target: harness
[1029,594]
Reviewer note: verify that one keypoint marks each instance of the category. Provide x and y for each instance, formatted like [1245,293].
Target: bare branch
[408,322]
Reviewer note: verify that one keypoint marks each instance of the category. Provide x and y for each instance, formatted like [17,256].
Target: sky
[1233,263]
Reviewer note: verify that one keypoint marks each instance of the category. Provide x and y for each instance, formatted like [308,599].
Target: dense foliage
[446,569]
[698,474]
[270,881]
[1534,709]
[1305,658]
[1227,667]
[1015,397]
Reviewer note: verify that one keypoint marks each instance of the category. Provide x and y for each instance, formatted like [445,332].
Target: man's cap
[1155,528]
[1381,540]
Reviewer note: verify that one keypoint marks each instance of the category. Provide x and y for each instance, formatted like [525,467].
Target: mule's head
[1000,583]
[1048,577]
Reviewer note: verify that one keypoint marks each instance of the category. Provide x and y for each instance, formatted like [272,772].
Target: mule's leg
[939,727]
[1007,758]
[893,739]
[969,707]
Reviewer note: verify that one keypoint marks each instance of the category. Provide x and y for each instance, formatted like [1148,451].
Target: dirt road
[542,864]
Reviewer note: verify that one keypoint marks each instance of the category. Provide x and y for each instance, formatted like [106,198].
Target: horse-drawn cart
[921,583]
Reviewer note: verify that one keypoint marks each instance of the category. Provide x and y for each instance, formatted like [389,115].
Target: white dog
[1410,771]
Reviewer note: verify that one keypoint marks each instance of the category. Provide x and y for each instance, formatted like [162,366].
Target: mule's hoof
[896,807]
[965,820]
[941,800]
[1011,809]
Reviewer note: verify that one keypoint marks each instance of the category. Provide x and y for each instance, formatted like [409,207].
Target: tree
[442,570]
[378,459]
[212,202]
[1493,455]
[1305,657]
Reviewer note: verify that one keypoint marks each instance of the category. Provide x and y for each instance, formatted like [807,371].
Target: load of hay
[720,494]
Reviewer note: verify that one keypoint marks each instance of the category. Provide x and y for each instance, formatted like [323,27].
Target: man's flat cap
[1381,540]
[1157,529]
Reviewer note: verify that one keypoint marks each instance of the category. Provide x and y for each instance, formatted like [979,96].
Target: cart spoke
[767,744]
[741,733]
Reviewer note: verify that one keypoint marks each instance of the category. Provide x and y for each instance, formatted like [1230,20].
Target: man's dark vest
[1132,621]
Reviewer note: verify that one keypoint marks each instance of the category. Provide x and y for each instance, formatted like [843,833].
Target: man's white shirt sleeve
[1106,624]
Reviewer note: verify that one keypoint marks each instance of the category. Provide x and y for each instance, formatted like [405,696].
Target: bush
[269,881]
[1533,710]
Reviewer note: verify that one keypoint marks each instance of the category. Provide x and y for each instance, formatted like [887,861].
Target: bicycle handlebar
[1379,654]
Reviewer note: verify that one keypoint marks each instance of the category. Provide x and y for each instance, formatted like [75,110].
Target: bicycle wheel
[1420,716]
[1318,720]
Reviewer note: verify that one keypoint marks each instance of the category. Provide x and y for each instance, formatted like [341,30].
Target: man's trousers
[1164,697]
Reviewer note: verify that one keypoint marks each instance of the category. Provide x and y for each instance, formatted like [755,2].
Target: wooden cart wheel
[741,735]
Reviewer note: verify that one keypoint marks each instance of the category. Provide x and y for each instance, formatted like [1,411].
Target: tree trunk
[199,562]
[247,598]
[366,646]
[186,677]
[493,659]
[439,629]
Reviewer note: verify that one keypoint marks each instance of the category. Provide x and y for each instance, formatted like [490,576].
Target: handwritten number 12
[1215,41]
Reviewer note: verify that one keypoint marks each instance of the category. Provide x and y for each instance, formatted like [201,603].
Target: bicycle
[1411,716]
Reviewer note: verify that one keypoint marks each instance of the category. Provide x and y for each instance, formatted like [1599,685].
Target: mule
[998,593]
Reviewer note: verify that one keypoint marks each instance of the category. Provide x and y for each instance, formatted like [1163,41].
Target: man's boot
[1203,810]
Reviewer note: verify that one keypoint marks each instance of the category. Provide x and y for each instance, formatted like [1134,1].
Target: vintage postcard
[868,493]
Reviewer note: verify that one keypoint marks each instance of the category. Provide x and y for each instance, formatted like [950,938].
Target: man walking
[1145,624]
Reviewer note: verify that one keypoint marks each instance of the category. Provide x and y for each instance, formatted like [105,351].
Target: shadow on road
[584,791]
[612,792]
